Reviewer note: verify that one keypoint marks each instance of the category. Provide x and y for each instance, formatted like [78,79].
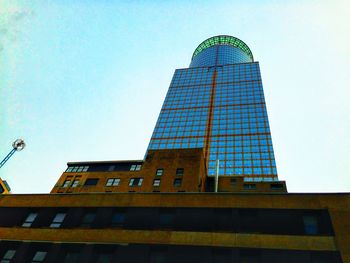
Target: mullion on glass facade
[218,104]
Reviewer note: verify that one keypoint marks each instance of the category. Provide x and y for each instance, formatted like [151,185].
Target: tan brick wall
[191,160]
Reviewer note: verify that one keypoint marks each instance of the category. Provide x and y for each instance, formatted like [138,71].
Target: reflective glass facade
[218,104]
[219,55]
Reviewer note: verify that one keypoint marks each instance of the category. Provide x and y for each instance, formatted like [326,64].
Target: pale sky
[85,81]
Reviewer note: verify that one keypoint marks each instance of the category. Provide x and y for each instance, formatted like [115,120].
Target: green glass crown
[223,40]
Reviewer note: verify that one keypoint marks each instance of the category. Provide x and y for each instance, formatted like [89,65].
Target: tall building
[218,104]
[165,208]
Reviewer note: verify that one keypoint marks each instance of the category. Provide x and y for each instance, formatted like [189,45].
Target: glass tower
[218,104]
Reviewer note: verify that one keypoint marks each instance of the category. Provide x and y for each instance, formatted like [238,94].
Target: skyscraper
[164,208]
[218,104]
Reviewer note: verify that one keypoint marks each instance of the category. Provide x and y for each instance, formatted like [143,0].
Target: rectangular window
[166,218]
[310,224]
[135,181]
[29,220]
[135,167]
[159,172]
[118,218]
[113,182]
[249,186]
[73,169]
[156,182]
[249,255]
[75,183]
[104,258]
[88,219]
[71,257]
[58,220]
[69,170]
[8,256]
[276,186]
[180,171]
[233,181]
[91,182]
[177,182]
[222,255]
[66,183]
[158,255]
[80,169]
[39,257]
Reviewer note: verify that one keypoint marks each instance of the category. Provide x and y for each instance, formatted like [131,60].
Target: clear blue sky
[85,80]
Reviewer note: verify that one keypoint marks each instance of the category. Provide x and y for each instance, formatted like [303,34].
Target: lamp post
[17,145]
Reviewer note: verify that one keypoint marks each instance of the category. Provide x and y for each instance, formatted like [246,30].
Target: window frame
[75,183]
[159,172]
[176,184]
[132,180]
[66,183]
[113,182]
[88,223]
[75,169]
[57,223]
[41,254]
[249,186]
[91,179]
[156,182]
[180,171]
[121,218]
[8,258]
[135,167]
[28,223]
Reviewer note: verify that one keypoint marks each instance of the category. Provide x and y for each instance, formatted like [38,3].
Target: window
[159,172]
[250,255]
[135,181]
[78,169]
[166,218]
[113,182]
[156,182]
[58,220]
[66,183]
[29,220]
[91,182]
[71,257]
[249,186]
[276,186]
[180,171]
[222,255]
[135,167]
[158,255]
[8,256]
[104,258]
[118,218]
[111,168]
[82,169]
[39,257]
[310,224]
[177,182]
[75,183]
[88,219]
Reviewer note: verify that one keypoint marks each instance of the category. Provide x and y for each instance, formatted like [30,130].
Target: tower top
[223,40]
